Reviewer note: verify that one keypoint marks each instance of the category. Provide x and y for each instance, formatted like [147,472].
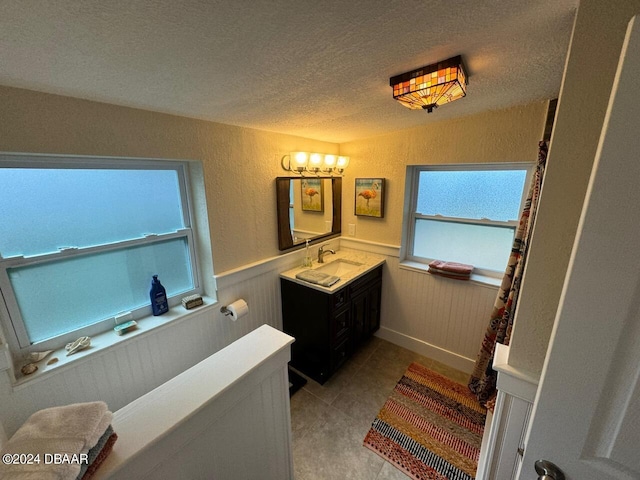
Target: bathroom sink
[339,267]
[338,271]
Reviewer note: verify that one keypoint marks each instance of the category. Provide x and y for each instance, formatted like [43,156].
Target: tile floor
[329,422]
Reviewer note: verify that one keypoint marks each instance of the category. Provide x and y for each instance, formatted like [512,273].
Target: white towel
[318,278]
[71,430]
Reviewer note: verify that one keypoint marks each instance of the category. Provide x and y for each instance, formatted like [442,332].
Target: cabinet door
[373,314]
[360,317]
[365,312]
[305,316]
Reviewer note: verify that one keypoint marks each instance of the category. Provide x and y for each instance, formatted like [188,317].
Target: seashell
[52,361]
[79,344]
[37,356]
[29,368]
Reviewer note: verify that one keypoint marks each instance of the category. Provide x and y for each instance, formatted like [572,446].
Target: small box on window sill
[125,327]
[192,301]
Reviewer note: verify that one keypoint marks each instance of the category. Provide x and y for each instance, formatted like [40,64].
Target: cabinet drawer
[340,354]
[341,322]
[339,298]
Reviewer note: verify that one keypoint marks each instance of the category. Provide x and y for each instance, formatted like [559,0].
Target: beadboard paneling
[441,318]
[234,401]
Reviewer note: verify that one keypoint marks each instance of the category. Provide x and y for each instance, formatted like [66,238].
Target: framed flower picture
[369,197]
[312,195]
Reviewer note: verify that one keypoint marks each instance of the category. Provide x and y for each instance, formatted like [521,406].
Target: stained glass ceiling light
[430,86]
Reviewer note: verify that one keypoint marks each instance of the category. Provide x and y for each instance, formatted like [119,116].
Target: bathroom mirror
[308,208]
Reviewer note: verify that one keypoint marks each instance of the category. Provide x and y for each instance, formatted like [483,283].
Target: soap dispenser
[158,296]
[308,261]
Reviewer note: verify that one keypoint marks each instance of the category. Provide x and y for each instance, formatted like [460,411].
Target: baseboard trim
[454,360]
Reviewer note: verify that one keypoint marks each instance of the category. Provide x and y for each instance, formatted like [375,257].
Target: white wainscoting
[226,418]
[437,317]
[504,439]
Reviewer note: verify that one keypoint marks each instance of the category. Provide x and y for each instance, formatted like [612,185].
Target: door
[586,416]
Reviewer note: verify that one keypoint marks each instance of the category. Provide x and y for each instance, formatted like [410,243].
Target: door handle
[548,471]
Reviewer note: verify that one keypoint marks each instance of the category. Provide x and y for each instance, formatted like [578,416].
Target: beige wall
[240,164]
[510,135]
[595,47]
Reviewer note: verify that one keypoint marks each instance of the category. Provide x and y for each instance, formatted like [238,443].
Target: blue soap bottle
[158,296]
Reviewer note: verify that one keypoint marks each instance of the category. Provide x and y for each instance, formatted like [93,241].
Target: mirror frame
[285,239]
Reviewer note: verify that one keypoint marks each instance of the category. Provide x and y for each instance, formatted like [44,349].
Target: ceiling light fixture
[430,86]
[314,163]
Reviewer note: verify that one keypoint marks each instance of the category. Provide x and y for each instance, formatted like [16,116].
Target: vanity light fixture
[431,85]
[314,163]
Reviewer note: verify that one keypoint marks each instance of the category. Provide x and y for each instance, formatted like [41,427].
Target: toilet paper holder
[235,310]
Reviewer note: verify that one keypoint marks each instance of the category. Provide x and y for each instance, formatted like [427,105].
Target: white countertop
[369,262]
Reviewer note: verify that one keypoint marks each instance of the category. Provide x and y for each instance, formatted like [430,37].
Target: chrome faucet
[322,252]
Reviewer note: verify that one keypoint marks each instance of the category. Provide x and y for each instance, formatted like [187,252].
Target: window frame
[411,201]
[12,322]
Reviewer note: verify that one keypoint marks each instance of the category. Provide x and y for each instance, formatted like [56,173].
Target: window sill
[475,278]
[103,342]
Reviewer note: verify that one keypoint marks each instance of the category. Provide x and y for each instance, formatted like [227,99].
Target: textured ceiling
[318,69]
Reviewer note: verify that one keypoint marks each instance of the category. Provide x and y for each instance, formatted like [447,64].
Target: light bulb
[315,161]
[299,160]
[329,163]
[342,163]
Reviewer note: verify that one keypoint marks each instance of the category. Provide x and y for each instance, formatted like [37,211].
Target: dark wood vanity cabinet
[329,327]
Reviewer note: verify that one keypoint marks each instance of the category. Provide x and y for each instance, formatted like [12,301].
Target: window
[465,214]
[81,239]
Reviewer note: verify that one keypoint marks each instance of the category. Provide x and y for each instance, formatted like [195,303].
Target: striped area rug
[430,427]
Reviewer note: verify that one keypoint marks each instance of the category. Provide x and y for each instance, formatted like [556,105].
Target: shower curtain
[483,378]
